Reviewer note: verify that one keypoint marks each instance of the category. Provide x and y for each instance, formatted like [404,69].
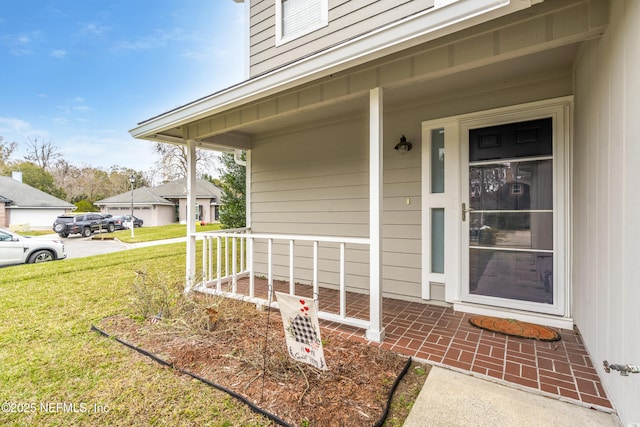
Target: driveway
[78,247]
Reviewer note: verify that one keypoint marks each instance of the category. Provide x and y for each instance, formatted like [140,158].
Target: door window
[511,212]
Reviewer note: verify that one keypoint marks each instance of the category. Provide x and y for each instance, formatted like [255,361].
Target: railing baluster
[204,259]
[270,263]
[242,239]
[219,263]
[292,286]
[234,269]
[252,276]
[343,287]
[316,286]
[210,259]
[226,256]
[234,266]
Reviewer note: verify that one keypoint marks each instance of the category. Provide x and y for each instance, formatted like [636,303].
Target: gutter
[237,157]
[429,25]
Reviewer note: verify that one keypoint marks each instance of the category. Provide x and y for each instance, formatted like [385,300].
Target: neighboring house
[25,207]
[516,197]
[166,204]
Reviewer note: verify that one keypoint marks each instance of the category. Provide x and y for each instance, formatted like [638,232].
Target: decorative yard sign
[301,329]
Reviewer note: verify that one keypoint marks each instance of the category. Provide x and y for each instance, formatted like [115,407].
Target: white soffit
[420,28]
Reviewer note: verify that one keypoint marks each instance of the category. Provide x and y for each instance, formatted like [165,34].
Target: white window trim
[324,21]
[446,200]
[559,110]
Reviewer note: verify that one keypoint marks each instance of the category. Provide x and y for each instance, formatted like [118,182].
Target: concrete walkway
[450,398]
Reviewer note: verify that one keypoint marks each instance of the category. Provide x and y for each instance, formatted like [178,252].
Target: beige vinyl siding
[315,181]
[313,178]
[347,19]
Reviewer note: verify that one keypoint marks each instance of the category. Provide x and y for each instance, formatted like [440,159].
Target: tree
[121,179]
[6,150]
[91,184]
[85,206]
[173,161]
[42,153]
[37,177]
[233,180]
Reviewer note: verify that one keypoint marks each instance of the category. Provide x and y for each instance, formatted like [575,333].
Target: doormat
[515,328]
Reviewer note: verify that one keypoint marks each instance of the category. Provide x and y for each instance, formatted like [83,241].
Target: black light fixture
[403,146]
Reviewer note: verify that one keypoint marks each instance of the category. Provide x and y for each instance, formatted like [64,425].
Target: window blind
[298,15]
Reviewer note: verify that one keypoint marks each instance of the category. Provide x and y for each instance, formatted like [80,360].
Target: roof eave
[426,26]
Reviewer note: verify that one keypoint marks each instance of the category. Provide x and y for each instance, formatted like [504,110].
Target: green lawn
[142,234]
[147,234]
[56,371]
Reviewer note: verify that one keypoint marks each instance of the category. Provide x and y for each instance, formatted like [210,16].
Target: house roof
[141,196]
[159,195]
[178,189]
[21,195]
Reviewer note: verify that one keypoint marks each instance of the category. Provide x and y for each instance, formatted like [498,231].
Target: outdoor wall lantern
[403,146]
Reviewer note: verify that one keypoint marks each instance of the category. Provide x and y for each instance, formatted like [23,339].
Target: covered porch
[434,333]
[321,157]
[441,336]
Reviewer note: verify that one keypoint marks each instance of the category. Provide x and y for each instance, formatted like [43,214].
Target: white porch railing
[228,255]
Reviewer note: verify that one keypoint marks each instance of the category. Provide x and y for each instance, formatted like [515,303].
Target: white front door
[508,199]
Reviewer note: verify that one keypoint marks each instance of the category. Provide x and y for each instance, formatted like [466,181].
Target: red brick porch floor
[441,336]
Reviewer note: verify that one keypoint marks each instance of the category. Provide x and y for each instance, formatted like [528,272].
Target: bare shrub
[159,298]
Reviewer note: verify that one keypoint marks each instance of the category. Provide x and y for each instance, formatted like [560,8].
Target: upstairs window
[295,18]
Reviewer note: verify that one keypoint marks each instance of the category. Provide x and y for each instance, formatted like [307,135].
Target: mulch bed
[244,351]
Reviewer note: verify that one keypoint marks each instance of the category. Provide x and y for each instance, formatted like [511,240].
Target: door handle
[465,210]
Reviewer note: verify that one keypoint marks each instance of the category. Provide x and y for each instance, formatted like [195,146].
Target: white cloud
[10,124]
[94,29]
[20,44]
[16,130]
[97,148]
[60,121]
[17,51]
[100,150]
[197,56]
[158,38]
[58,53]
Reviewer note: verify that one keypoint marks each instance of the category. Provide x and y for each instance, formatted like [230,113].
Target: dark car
[121,222]
[84,224]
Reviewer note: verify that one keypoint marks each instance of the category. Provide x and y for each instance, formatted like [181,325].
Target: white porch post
[376,329]
[248,180]
[191,216]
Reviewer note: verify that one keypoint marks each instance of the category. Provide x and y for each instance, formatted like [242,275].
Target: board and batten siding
[347,19]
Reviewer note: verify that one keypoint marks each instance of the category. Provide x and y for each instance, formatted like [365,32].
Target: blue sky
[82,73]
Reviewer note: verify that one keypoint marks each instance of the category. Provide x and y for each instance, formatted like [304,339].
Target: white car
[15,249]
